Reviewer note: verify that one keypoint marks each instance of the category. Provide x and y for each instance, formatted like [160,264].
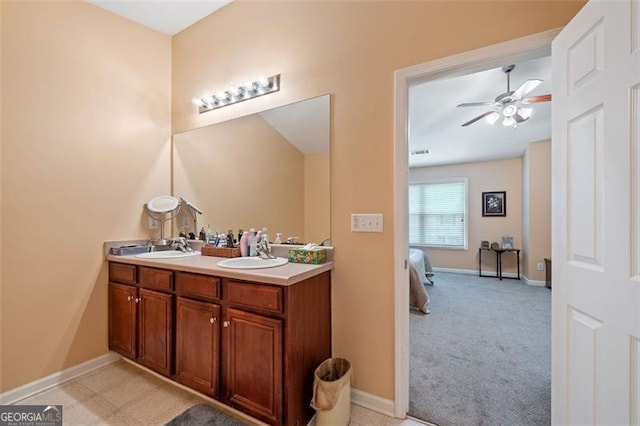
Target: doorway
[518,50]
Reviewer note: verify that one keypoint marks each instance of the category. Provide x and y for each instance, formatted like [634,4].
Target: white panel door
[596,216]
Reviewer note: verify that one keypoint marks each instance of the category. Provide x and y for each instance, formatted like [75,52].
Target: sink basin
[167,254]
[252,263]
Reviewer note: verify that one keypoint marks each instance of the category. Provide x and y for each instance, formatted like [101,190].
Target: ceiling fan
[509,104]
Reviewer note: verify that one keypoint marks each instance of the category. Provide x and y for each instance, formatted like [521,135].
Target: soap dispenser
[244,242]
[278,239]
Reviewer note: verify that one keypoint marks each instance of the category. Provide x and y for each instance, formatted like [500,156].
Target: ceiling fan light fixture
[492,118]
[525,113]
[509,122]
[509,111]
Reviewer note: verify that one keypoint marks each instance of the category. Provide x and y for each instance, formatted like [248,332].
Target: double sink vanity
[249,337]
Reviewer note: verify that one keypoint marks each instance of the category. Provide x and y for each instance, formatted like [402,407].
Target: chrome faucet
[264,250]
[182,245]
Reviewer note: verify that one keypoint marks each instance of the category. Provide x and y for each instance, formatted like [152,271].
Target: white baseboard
[32,388]
[490,274]
[373,402]
[534,283]
[457,271]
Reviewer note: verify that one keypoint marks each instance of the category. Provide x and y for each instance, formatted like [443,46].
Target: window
[438,214]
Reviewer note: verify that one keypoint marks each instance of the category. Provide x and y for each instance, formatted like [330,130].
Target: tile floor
[124,394]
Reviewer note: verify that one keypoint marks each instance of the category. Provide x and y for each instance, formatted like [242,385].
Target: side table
[499,253]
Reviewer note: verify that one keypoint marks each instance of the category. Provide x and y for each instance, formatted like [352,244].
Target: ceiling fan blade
[526,87]
[480,117]
[468,104]
[536,99]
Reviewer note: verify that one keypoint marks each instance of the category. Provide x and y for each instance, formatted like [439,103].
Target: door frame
[494,56]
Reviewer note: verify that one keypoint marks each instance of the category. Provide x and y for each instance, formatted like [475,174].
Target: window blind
[437,214]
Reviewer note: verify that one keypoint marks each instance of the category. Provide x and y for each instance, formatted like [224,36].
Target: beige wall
[232,171]
[317,197]
[348,49]
[502,175]
[536,224]
[85,143]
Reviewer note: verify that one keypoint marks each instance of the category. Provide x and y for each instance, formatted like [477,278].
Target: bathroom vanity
[248,338]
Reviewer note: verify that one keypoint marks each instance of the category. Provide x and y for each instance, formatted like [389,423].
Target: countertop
[285,275]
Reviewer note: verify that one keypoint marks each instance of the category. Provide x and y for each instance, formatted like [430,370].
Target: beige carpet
[483,354]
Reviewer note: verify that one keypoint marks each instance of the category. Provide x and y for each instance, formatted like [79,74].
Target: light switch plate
[366,222]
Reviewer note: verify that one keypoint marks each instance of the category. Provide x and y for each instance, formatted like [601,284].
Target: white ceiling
[169,17]
[305,124]
[435,121]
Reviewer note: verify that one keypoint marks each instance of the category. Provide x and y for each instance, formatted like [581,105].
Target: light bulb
[492,118]
[509,121]
[248,86]
[221,96]
[263,82]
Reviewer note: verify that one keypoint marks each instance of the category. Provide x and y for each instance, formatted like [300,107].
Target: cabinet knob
[129,298]
[226,323]
[138,299]
[212,320]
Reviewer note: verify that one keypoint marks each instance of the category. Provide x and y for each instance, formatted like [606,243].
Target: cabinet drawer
[255,296]
[156,278]
[188,284]
[122,273]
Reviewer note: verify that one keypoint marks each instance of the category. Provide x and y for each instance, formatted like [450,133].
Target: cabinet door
[155,328]
[253,364]
[122,319]
[197,345]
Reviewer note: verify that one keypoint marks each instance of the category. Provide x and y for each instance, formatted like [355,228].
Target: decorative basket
[220,251]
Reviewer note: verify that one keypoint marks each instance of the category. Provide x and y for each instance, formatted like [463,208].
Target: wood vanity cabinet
[155,330]
[122,319]
[253,364]
[273,338]
[198,332]
[140,319]
[253,346]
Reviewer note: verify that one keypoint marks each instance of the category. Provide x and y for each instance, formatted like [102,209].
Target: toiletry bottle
[203,234]
[258,236]
[230,238]
[253,242]
[244,242]
[265,234]
[222,240]
[207,235]
[240,232]
[278,239]
[182,234]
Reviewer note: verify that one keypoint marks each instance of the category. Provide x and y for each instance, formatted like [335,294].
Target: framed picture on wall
[494,203]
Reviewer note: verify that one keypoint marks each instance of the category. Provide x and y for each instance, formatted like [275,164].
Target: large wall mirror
[266,170]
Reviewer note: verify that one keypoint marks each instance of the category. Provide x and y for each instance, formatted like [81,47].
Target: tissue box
[314,256]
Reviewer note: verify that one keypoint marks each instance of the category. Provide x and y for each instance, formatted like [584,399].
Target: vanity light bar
[233,95]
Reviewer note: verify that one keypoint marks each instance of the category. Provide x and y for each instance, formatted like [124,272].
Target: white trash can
[332,392]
